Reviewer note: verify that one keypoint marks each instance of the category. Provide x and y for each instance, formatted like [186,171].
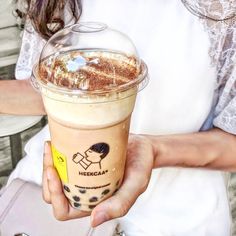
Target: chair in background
[12,127]
[10,40]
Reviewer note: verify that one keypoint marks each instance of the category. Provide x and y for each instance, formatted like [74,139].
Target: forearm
[214,149]
[19,98]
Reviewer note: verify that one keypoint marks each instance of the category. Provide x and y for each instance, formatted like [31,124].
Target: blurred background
[14,131]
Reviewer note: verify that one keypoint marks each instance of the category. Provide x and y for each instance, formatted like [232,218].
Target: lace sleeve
[222,34]
[219,19]
[31,47]
[225,112]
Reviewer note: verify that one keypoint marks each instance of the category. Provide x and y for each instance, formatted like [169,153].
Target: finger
[58,199]
[47,161]
[46,193]
[61,207]
[135,182]
[118,205]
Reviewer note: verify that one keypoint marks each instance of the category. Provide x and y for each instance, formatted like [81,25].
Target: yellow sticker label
[60,164]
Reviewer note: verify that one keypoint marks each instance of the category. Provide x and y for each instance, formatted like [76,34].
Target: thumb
[138,170]
[120,203]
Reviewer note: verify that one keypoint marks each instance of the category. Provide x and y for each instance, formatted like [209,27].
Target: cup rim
[140,83]
[88,27]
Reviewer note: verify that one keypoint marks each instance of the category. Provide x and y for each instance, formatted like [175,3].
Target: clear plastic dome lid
[90,57]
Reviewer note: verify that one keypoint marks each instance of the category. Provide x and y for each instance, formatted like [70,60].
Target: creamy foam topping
[89,70]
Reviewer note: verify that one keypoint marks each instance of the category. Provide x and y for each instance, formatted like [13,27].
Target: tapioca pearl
[76,198]
[106,191]
[91,207]
[77,205]
[93,199]
[66,188]
[82,191]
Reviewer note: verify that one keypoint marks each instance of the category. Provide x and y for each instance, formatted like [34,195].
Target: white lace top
[219,19]
[180,184]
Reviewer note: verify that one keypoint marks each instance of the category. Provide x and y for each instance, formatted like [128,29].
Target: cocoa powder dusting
[103,71]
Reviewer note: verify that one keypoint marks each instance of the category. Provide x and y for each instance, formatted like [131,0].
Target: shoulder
[212,9]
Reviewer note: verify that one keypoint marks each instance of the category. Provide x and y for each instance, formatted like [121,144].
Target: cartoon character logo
[93,155]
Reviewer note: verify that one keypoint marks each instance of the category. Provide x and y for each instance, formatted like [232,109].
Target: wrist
[201,149]
[160,149]
[147,141]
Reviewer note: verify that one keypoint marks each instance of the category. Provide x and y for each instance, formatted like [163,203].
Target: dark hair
[47,16]
[102,148]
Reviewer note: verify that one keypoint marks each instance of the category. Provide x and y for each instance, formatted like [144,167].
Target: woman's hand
[213,149]
[139,164]
[53,191]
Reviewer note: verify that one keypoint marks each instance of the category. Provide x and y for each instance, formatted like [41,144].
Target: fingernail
[99,218]
[46,146]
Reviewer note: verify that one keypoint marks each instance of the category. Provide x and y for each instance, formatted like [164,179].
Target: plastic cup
[89,85]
